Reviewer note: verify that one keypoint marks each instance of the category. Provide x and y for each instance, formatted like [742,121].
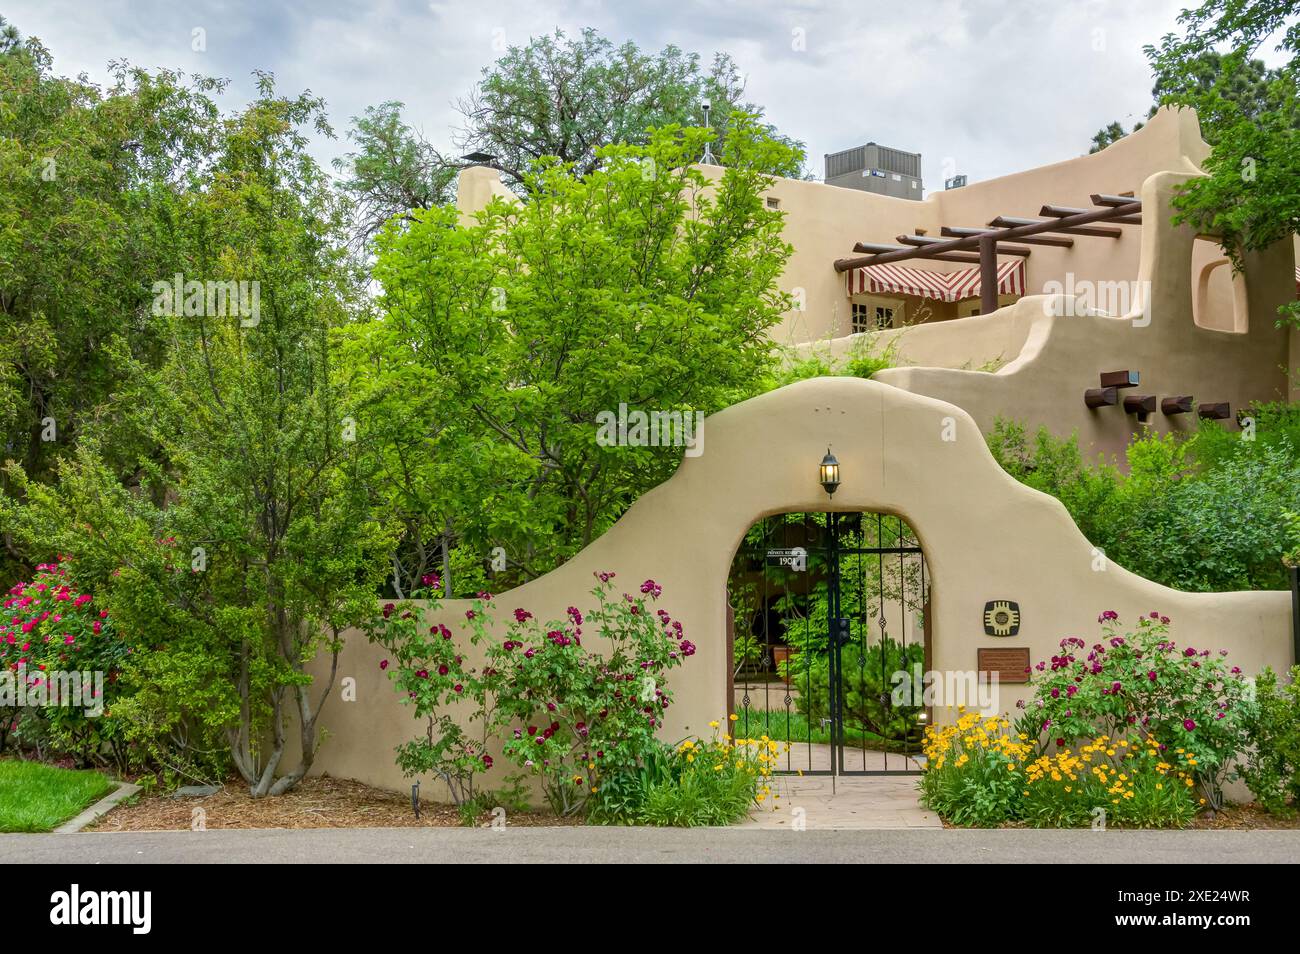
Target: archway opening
[830,640]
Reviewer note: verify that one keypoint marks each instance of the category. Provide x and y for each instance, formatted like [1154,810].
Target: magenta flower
[1189,725]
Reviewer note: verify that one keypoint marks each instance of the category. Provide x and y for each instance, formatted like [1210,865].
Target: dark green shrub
[1272,768]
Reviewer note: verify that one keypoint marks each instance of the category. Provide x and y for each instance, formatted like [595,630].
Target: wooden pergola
[1058,227]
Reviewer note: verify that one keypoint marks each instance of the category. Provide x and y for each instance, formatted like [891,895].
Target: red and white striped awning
[938,286]
[1297,281]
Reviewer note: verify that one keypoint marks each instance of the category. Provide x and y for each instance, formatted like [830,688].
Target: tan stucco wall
[986,536]
[1061,357]
[823,222]
[476,186]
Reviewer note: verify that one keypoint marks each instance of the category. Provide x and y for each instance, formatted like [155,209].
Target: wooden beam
[1214,410]
[1139,403]
[921,241]
[1061,211]
[1101,198]
[969,258]
[989,273]
[1176,405]
[1100,397]
[1097,231]
[1120,379]
[1070,223]
[959,232]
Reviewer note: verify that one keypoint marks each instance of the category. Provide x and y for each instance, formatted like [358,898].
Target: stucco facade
[985,535]
[911,441]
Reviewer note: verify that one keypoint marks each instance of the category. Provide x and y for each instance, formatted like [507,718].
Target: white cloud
[994,85]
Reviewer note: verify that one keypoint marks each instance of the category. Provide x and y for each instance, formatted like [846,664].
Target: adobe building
[1092,313]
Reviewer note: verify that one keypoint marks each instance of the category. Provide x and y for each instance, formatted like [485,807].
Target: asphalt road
[648,845]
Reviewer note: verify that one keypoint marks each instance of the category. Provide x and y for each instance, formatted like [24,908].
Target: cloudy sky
[984,87]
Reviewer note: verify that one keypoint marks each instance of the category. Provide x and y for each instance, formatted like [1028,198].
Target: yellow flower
[714,724]
[733,717]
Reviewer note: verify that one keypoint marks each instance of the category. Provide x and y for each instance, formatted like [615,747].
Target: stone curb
[101,807]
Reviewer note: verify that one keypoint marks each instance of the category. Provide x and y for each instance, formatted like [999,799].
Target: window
[861,321]
[873,316]
[773,203]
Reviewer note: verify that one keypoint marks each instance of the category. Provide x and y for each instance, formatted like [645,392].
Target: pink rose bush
[48,632]
[1186,702]
[563,711]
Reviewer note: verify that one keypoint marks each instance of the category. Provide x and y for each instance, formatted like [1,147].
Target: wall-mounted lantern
[829,473]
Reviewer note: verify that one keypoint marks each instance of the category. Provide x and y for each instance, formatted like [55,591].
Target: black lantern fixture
[830,473]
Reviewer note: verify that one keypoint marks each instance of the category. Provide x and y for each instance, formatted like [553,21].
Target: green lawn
[37,797]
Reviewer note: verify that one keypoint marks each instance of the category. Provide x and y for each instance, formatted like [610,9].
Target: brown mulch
[1244,817]
[317,802]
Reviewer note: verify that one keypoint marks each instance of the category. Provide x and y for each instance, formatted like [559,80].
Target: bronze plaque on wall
[1010,663]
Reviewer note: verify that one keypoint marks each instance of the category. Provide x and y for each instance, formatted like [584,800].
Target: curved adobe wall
[986,536]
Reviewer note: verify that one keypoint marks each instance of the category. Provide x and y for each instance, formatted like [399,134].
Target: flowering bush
[713,781]
[981,772]
[571,716]
[1110,781]
[49,632]
[974,770]
[428,668]
[568,716]
[1143,687]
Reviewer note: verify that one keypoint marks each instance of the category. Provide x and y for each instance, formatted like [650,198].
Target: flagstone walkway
[847,801]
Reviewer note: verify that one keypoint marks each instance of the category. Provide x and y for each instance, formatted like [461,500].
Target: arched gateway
[988,542]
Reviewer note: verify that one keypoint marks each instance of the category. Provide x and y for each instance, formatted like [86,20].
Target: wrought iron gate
[830,641]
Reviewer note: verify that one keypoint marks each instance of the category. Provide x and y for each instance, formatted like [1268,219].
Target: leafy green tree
[503,341]
[393,170]
[566,97]
[556,97]
[1251,197]
[89,180]
[258,543]
[1110,134]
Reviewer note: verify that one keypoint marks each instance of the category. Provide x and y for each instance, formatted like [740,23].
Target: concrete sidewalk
[649,845]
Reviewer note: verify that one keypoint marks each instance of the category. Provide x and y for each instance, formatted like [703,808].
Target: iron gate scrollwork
[831,639]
